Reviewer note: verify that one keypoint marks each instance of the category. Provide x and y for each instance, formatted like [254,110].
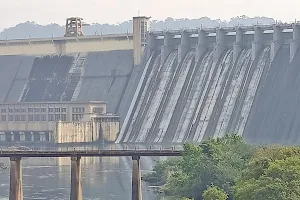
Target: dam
[170,86]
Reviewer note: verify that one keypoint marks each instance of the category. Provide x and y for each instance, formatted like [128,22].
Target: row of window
[23,137]
[31,110]
[78,110]
[34,118]
[77,117]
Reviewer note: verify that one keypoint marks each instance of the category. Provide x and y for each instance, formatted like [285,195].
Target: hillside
[34,30]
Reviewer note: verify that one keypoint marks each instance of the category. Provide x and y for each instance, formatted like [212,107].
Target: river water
[102,178]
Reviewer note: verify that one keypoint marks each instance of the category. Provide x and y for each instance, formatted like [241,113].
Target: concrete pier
[184,46]
[167,47]
[258,41]
[220,43]
[16,188]
[151,44]
[76,187]
[136,179]
[277,41]
[295,42]
[239,43]
[202,44]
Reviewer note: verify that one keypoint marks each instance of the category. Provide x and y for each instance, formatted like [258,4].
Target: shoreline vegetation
[228,168]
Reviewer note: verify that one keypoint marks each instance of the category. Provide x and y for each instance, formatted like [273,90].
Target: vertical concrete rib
[151,44]
[277,41]
[239,42]
[258,41]
[76,188]
[295,42]
[16,188]
[184,45]
[202,44]
[220,43]
[136,179]
[167,47]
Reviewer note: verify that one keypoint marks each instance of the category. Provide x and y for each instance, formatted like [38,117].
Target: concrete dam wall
[198,84]
[93,76]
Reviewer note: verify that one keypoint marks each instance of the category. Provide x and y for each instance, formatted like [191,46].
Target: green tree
[216,162]
[273,173]
[214,193]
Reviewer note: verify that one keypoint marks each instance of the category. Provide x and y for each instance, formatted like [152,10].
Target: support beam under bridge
[16,188]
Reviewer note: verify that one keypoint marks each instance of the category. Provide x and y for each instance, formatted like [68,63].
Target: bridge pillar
[167,47]
[220,44]
[239,42]
[76,188]
[136,179]
[184,46]
[295,42]
[258,41]
[277,41]
[202,44]
[16,188]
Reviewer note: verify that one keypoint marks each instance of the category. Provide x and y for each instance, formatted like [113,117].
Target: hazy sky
[112,11]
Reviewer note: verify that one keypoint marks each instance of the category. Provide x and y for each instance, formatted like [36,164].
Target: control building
[43,121]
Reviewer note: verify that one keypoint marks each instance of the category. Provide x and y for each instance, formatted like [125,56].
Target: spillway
[245,84]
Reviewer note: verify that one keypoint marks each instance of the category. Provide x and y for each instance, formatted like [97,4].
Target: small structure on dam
[99,128]
[57,122]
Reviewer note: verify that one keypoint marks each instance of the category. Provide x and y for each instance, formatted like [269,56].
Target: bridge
[16,188]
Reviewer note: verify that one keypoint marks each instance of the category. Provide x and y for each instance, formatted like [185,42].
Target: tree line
[228,168]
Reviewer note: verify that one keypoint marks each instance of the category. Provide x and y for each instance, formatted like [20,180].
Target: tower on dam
[74,27]
[141,27]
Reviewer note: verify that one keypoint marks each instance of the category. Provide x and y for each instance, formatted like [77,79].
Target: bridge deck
[90,153]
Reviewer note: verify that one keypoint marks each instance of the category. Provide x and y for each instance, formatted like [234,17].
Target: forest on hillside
[33,30]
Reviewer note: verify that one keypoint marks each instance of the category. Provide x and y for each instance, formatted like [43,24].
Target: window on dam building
[50,112]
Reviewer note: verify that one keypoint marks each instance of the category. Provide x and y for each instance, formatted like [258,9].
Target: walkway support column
[184,46]
[202,44]
[167,47]
[277,41]
[136,179]
[76,188]
[16,188]
[296,41]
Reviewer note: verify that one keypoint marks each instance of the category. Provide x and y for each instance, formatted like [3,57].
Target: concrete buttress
[258,41]
[184,46]
[295,42]
[277,41]
[167,47]
[239,42]
[220,43]
[202,44]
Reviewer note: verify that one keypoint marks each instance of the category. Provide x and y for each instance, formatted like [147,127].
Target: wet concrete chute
[210,82]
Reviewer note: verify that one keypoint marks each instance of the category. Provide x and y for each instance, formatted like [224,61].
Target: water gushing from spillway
[192,101]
